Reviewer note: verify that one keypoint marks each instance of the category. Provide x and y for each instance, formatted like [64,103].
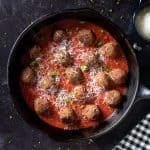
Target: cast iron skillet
[25,40]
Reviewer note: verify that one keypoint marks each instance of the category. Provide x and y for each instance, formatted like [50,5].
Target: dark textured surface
[15,15]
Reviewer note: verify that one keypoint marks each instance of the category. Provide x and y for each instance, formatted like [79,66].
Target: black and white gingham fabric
[138,138]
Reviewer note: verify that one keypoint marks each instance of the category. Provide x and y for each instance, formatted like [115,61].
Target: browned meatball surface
[28,76]
[74,75]
[109,49]
[91,112]
[89,58]
[46,82]
[63,58]
[86,37]
[67,115]
[35,52]
[79,92]
[118,76]
[58,35]
[41,106]
[102,80]
[112,98]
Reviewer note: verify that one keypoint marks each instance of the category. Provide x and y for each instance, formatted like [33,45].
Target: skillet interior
[25,40]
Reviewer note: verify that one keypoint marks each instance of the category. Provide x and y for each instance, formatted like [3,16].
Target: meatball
[112,98]
[89,58]
[118,76]
[62,58]
[74,75]
[87,37]
[102,80]
[109,49]
[35,52]
[46,82]
[28,76]
[79,92]
[58,35]
[67,115]
[41,106]
[91,112]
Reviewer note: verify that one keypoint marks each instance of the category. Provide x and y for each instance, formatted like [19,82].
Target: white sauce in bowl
[142,23]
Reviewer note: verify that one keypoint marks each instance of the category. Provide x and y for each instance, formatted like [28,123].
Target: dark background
[15,15]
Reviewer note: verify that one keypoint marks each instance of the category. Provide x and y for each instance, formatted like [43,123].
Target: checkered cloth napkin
[138,138]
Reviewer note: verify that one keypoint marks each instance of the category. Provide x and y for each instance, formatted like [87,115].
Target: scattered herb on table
[102,1]
[110,10]
[102,10]
[9,140]
[92,1]
[117,2]
[121,17]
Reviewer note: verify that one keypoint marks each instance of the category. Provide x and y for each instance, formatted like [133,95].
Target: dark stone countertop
[15,15]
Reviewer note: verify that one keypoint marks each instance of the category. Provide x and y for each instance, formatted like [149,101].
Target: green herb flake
[82,22]
[100,43]
[84,68]
[33,63]
[53,73]
[110,10]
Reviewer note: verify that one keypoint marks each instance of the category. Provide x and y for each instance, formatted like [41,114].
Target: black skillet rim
[123,36]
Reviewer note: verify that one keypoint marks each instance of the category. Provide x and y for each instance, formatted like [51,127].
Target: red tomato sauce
[44,38]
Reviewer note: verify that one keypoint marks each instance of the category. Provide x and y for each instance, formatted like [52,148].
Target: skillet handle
[143,93]
[144,65]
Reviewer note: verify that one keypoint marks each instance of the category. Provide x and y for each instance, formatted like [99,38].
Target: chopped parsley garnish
[82,22]
[34,63]
[53,73]
[84,68]
[100,43]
